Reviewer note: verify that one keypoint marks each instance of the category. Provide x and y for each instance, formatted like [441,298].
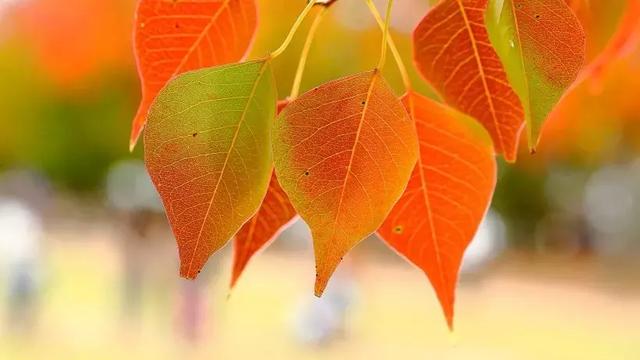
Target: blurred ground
[522,307]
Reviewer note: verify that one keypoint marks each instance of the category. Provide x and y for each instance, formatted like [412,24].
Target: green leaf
[208,151]
[542,47]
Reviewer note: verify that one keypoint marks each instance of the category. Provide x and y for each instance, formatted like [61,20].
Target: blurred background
[88,266]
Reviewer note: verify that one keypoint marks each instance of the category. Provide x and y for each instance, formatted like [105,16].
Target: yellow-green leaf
[208,151]
[542,46]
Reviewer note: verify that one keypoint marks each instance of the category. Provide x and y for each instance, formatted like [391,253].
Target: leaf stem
[295,89]
[294,29]
[406,80]
[385,35]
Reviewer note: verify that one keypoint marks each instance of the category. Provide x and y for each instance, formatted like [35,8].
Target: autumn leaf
[447,197]
[275,213]
[453,52]
[625,39]
[208,151]
[542,46]
[172,37]
[343,153]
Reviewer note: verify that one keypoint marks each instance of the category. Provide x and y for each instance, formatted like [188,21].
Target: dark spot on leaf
[537,16]
[194,134]
[398,229]
[306,173]
[363,102]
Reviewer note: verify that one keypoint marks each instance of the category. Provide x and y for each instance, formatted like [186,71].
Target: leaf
[542,45]
[172,37]
[274,215]
[453,52]
[448,195]
[625,39]
[343,153]
[208,151]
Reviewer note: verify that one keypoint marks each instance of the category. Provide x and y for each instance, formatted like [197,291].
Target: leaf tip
[235,274]
[448,310]
[132,144]
[325,270]
[133,138]
[189,272]
[450,324]
[137,126]
[321,285]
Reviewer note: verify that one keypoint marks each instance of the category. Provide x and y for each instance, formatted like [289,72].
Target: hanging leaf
[542,46]
[208,151]
[276,212]
[453,52]
[448,195]
[172,37]
[343,153]
[625,39]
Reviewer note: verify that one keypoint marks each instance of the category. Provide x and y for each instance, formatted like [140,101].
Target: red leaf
[275,213]
[172,37]
[447,197]
[453,52]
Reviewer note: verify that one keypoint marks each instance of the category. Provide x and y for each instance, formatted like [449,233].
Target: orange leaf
[624,40]
[453,52]
[172,37]
[275,213]
[448,195]
[343,153]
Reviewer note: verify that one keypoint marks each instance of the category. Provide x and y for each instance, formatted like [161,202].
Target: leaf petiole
[385,35]
[295,89]
[406,80]
[294,29]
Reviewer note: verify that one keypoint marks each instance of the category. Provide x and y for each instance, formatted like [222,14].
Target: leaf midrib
[226,161]
[482,74]
[353,151]
[196,43]
[427,201]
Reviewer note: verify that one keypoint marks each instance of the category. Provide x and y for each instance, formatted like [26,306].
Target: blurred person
[191,310]
[20,260]
[24,199]
[130,193]
[611,204]
[30,186]
[320,321]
